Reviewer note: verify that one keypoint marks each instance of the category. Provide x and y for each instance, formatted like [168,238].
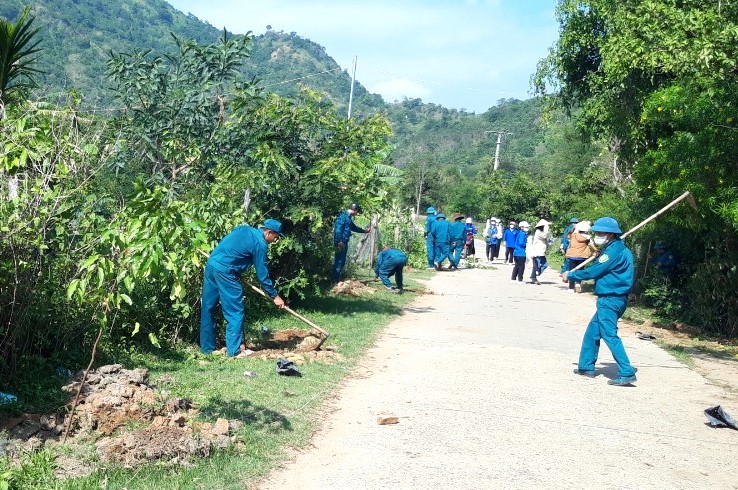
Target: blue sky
[457,53]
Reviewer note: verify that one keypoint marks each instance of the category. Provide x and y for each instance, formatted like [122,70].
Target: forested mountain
[447,155]
[77,37]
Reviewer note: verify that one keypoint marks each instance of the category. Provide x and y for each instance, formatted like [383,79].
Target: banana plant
[18,44]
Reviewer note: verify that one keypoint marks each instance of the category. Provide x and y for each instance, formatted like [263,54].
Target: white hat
[523,224]
[468,220]
[582,227]
[542,222]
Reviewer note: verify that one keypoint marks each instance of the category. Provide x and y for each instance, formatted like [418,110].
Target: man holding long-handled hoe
[614,275]
[242,248]
[613,272]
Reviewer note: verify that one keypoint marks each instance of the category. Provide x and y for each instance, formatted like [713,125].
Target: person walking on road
[430,249]
[509,238]
[613,272]
[539,244]
[341,236]
[580,249]
[442,239]
[242,248]
[493,235]
[390,262]
[469,234]
[457,232]
[519,252]
[500,230]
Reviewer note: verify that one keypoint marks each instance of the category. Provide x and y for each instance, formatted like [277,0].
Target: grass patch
[638,314]
[681,353]
[277,412]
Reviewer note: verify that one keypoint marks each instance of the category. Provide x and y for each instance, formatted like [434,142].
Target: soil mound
[111,400]
[293,339]
[296,345]
[352,288]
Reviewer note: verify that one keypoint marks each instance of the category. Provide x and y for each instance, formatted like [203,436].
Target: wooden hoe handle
[292,312]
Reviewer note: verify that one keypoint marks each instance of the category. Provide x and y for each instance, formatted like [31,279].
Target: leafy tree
[47,153]
[655,79]
[295,160]
[174,105]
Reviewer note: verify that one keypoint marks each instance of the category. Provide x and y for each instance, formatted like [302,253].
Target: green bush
[711,288]
[659,293]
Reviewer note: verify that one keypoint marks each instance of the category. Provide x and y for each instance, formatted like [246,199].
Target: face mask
[600,240]
[512,227]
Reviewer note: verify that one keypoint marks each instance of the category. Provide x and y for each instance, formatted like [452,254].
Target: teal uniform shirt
[343,228]
[239,250]
[613,270]
[457,232]
[440,232]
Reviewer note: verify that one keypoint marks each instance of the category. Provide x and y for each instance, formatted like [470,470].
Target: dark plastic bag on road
[717,417]
[287,368]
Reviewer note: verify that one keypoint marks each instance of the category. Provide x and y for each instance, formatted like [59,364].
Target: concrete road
[480,376]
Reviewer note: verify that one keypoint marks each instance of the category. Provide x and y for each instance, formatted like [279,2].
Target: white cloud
[399,88]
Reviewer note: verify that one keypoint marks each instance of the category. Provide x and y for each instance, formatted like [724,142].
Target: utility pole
[500,134]
[351,94]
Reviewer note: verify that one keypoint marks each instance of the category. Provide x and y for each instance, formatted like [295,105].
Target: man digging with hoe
[235,254]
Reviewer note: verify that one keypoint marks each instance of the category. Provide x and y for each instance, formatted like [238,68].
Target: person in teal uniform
[430,249]
[236,253]
[390,262]
[613,272]
[457,232]
[341,236]
[441,239]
